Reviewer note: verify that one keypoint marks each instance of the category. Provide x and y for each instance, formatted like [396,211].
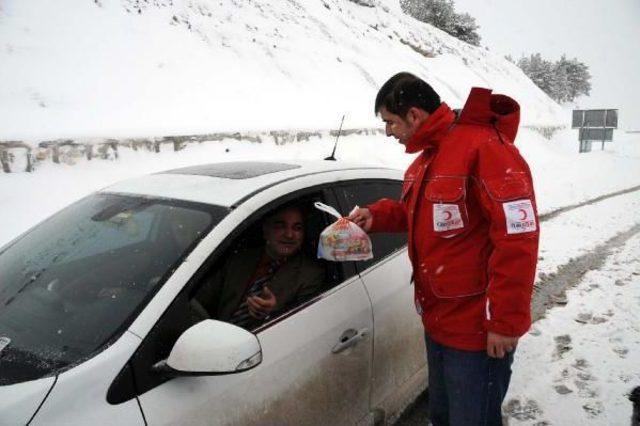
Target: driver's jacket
[469,208]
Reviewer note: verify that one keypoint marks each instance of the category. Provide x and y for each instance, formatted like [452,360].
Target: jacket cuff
[374,211]
[505,329]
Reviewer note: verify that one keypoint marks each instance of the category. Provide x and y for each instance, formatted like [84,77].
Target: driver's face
[284,233]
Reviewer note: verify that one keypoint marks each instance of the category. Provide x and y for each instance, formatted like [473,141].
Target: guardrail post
[29,168]
[4,159]
[55,154]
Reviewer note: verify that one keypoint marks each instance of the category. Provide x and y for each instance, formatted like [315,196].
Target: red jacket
[469,208]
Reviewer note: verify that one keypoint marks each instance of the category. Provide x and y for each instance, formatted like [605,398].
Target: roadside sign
[594,118]
[594,125]
[601,134]
[577,119]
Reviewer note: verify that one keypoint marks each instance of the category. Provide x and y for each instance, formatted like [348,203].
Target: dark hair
[404,91]
[301,206]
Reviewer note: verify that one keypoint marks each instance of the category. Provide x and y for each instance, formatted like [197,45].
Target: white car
[96,309]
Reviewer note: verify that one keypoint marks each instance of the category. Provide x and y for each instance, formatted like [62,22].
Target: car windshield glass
[75,282]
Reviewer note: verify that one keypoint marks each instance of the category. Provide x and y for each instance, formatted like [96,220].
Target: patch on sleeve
[520,217]
[446,217]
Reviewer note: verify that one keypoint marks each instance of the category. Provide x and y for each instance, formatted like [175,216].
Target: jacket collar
[432,130]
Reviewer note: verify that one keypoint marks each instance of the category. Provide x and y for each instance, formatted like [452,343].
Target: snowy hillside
[115,68]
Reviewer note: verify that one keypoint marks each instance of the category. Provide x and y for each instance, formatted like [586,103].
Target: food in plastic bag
[343,240]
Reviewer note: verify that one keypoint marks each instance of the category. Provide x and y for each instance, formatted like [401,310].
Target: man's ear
[416,116]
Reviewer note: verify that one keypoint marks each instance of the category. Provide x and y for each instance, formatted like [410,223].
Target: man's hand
[261,306]
[498,345]
[362,217]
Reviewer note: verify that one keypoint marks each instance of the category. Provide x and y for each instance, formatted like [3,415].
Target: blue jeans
[466,388]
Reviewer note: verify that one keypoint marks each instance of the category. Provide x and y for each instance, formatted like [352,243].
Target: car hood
[19,402]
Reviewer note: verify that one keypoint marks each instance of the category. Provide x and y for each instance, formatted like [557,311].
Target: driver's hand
[362,217]
[262,305]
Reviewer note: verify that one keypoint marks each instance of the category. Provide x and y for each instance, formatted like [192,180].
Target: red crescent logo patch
[524,214]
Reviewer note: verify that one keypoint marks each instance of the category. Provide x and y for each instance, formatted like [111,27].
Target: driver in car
[255,283]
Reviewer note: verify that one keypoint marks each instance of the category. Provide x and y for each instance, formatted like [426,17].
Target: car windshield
[72,284]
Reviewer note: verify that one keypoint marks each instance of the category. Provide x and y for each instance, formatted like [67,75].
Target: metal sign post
[594,125]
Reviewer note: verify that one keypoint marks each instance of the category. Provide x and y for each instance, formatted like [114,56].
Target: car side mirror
[211,348]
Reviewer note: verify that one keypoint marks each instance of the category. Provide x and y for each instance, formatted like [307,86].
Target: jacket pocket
[445,189]
[445,198]
[508,188]
[458,282]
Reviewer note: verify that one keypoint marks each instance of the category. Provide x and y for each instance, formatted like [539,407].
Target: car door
[399,360]
[316,367]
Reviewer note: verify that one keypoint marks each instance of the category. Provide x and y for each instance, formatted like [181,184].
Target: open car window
[362,193]
[248,269]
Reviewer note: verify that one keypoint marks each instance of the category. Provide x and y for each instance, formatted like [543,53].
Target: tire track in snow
[553,213]
[550,289]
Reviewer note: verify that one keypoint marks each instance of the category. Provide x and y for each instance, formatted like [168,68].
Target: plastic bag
[343,240]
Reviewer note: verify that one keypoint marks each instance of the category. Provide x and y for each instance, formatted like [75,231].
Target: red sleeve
[506,193]
[388,216]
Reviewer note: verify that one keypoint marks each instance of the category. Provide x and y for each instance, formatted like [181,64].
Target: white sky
[602,34]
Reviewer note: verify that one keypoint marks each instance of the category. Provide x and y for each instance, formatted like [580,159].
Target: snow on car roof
[235,170]
[225,184]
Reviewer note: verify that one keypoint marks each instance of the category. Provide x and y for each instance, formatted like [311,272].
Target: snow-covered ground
[580,231]
[577,365]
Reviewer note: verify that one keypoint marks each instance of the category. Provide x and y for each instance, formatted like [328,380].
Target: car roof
[226,184]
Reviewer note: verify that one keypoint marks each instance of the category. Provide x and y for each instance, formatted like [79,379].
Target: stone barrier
[18,156]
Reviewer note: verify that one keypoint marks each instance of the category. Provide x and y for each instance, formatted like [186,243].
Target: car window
[362,193]
[236,257]
[275,260]
[115,233]
[64,296]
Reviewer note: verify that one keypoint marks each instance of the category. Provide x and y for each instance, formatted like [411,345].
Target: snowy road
[577,365]
[578,240]
[579,361]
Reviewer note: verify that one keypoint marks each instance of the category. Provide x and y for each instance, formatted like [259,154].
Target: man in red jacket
[469,209]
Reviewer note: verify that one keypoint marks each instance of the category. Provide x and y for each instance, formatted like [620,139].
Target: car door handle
[349,338]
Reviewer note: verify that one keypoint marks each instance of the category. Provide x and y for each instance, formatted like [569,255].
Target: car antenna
[332,156]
